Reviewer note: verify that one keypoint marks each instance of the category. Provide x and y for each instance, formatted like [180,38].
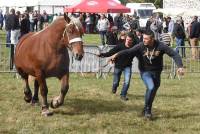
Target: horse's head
[74,32]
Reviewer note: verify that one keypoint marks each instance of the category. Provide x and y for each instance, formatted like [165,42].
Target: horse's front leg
[43,91]
[59,100]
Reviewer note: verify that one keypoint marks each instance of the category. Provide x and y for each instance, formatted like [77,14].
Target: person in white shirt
[102,26]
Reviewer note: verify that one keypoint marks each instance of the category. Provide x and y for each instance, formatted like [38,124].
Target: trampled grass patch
[90,107]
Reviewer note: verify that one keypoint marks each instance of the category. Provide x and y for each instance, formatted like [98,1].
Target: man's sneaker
[148,115]
[124,98]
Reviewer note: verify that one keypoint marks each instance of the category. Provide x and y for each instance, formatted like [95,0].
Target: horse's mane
[76,21]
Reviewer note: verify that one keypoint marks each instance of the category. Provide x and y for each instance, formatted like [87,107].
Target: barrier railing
[93,64]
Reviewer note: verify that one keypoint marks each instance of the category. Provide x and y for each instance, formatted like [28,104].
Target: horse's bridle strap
[75,40]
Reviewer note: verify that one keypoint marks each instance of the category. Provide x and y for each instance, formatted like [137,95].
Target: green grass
[88,39]
[90,108]
[91,39]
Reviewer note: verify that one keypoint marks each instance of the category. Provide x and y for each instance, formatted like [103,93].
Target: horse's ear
[67,19]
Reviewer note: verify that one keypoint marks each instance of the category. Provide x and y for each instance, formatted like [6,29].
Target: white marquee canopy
[23,3]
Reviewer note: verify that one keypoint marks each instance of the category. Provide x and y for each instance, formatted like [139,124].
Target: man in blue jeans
[122,64]
[150,56]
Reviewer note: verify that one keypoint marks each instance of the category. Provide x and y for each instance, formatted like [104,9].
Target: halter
[77,39]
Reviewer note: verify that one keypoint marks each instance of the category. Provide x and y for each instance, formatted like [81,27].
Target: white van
[142,10]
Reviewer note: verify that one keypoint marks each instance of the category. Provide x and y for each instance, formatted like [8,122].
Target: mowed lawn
[91,108]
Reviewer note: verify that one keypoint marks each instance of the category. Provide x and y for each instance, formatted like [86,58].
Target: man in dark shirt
[111,36]
[122,64]
[150,56]
[179,33]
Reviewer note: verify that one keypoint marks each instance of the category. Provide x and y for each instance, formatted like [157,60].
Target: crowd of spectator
[112,30]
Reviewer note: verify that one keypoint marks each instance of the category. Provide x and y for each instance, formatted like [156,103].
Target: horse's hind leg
[57,101]
[27,90]
[35,98]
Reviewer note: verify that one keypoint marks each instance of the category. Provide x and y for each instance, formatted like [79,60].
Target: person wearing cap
[150,57]
[122,64]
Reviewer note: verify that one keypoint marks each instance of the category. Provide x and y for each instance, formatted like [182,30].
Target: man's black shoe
[114,91]
[124,98]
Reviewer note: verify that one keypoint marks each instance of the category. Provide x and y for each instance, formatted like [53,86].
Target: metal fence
[90,62]
[191,64]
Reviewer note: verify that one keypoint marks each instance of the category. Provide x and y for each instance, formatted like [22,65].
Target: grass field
[91,108]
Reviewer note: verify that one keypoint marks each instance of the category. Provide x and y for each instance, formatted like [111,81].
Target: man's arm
[128,52]
[170,52]
[110,52]
[177,58]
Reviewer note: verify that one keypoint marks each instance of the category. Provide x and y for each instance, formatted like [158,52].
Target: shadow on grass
[84,106]
[166,114]
[172,95]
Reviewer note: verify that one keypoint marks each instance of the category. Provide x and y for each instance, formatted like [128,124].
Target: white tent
[21,3]
[170,11]
[51,6]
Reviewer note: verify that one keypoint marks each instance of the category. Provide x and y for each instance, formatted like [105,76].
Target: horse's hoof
[27,99]
[34,102]
[54,104]
[46,112]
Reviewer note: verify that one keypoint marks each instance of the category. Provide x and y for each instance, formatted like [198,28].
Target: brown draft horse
[44,54]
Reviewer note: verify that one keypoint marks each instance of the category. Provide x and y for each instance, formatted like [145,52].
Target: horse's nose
[78,57]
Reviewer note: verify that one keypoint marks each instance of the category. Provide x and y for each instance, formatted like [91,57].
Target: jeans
[151,80]
[103,36]
[179,45]
[116,78]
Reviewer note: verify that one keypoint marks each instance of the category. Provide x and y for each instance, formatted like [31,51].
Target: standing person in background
[40,21]
[150,56]
[7,28]
[165,24]
[165,37]
[122,64]
[139,35]
[110,19]
[170,28]
[148,24]
[46,19]
[194,35]
[1,19]
[31,19]
[88,23]
[179,33]
[111,36]
[156,27]
[15,33]
[35,20]
[103,26]
[25,25]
